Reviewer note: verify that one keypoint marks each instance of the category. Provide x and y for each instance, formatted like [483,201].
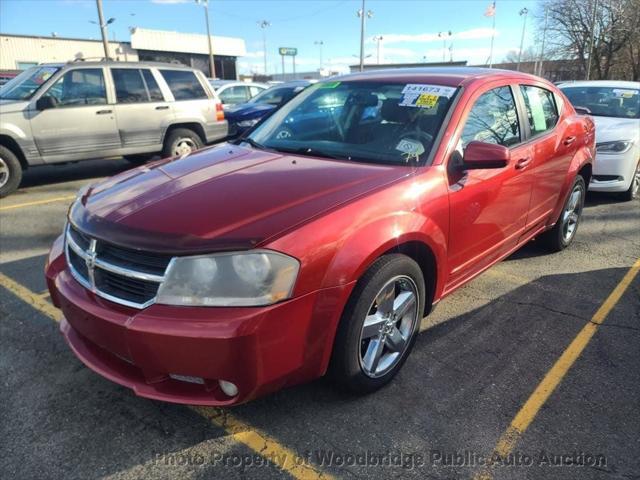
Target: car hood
[248,109]
[610,129]
[224,198]
[10,106]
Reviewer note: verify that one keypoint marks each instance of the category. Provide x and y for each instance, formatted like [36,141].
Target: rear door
[489,207]
[82,125]
[142,114]
[552,150]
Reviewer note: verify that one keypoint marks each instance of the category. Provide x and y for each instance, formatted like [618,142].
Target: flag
[491,10]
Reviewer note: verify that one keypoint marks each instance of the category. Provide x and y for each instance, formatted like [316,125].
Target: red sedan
[318,242]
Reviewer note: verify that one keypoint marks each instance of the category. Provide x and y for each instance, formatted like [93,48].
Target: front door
[82,124]
[488,208]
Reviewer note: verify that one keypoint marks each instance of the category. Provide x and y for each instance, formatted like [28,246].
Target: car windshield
[27,83]
[620,102]
[274,95]
[375,122]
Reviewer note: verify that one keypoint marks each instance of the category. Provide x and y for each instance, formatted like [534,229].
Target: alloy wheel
[571,214]
[184,146]
[388,327]
[635,186]
[4,172]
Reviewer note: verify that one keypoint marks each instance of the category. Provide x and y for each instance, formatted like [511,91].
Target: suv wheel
[379,325]
[181,142]
[564,231]
[10,172]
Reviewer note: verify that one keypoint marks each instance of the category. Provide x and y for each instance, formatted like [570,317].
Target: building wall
[18,50]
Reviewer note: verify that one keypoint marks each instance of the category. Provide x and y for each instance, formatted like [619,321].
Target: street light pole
[320,43]
[263,24]
[524,13]
[103,30]
[378,39]
[212,66]
[544,38]
[593,34]
[361,14]
[444,44]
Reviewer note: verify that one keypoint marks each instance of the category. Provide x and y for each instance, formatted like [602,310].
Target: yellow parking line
[258,441]
[552,379]
[38,202]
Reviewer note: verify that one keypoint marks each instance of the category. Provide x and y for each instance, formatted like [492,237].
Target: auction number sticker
[624,93]
[424,96]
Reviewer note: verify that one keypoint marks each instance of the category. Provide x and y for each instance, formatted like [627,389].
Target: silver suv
[54,113]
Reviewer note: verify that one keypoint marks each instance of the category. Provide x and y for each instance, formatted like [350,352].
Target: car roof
[600,83]
[450,76]
[102,63]
[293,83]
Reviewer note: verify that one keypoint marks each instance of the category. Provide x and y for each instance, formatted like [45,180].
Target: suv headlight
[252,278]
[620,146]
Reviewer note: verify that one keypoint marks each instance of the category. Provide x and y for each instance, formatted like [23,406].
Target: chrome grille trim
[93,262]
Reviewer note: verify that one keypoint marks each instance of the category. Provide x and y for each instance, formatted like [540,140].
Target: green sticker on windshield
[328,84]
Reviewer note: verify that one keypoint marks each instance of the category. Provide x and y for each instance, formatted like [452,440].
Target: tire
[353,365]
[139,159]
[634,189]
[179,138]
[564,231]
[10,172]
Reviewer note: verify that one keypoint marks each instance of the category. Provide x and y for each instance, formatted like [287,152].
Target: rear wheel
[10,172]
[564,231]
[181,142]
[379,325]
[634,189]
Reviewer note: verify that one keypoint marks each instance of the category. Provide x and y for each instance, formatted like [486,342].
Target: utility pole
[362,14]
[544,38]
[593,34]
[212,66]
[524,13]
[103,30]
[263,24]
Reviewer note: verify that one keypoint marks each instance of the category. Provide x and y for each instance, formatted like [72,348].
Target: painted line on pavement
[552,379]
[37,202]
[258,441]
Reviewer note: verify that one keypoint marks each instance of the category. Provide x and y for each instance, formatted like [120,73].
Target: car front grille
[121,275]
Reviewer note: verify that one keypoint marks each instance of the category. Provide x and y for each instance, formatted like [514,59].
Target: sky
[409,28]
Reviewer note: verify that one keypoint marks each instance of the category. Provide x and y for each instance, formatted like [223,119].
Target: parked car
[240,269]
[244,116]
[232,92]
[615,106]
[57,113]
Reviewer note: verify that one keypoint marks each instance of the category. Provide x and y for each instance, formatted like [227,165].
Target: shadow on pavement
[83,170]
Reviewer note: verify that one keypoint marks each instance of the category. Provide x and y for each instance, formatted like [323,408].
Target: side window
[183,84]
[493,119]
[152,86]
[130,87]
[541,109]
[255,90]
[234,95]
[79,87]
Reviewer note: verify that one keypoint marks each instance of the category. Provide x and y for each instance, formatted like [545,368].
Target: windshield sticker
[424,96]
[624,93]
[411,148]
[328,84]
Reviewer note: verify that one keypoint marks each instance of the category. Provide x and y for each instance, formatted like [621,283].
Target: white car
[615,107]
[232,92]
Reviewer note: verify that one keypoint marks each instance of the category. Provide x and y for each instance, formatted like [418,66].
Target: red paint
[335,217]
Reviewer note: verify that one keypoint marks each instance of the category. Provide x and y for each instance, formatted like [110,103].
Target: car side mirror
[46,103]
[582,110]
[481,155]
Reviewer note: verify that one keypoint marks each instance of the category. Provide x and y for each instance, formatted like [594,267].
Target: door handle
[162,107]
[569,140]
[523,162]
[103,112]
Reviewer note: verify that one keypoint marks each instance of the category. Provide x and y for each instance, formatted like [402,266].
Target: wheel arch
[194,126]
[8,142]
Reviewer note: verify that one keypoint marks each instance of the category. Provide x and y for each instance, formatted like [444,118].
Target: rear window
[184,84]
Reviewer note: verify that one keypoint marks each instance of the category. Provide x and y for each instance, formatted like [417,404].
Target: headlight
[620,146]
[248,123]
[253,278]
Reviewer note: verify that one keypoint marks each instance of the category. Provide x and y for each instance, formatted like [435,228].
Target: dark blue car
[244,116]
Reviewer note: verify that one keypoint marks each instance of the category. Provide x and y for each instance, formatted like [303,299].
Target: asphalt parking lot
[484,376]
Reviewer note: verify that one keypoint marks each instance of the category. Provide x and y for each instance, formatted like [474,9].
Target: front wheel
[379,325]
[564,231]
[634,189]
[10,172]
[181,142]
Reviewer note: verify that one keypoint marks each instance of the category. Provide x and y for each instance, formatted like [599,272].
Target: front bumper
[178,354]
[614,172]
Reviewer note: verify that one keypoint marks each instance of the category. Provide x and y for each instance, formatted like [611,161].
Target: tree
[615,46]
[528,55]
